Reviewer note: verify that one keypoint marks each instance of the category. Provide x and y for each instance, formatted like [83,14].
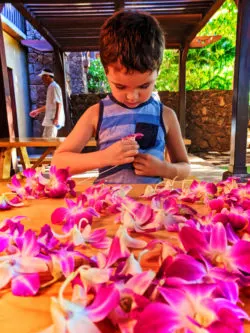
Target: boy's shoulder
[167,109]
[168,113]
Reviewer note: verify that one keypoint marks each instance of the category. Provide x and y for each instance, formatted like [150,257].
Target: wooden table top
[32,314]
[36,142]
[30,142]
[44,142]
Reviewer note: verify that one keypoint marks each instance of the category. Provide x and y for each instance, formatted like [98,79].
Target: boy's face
[132,88]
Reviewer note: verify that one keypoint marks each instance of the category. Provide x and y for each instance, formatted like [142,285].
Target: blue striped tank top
[116,121]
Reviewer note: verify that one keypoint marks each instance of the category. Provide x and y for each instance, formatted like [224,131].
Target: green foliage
[168,77]
[210,67]
[97,81]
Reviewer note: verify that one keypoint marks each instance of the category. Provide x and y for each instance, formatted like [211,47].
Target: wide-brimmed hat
[44,72]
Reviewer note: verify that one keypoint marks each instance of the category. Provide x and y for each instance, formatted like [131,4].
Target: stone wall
[208,117]
[36,62]
[80,103]
[76,75]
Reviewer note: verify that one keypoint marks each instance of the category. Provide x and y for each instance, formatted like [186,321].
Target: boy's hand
[122,152]
[147,165]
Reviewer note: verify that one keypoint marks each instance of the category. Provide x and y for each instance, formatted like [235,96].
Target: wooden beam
[58,2]
[6,116]
[240,106]
[182,89]
[36,24]
[97,21]
[213,9]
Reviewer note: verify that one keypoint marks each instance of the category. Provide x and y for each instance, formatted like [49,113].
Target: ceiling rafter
[74,25]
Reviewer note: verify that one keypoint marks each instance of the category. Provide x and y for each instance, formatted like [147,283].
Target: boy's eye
[144,86]
[119,87]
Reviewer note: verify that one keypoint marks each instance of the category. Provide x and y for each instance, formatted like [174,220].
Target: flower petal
[25,284]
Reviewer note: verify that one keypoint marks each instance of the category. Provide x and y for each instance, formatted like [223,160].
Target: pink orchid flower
[83,236]
[199,191]
[10,231]
[22,267]
[132,300]
[16,187]
[235,216]
[104,197]
[233,258]
[135,136]
[58,184]
[6,203]
[119,248]
[137,216]
[73,214]
[191,308]
[77,317]
[33,187]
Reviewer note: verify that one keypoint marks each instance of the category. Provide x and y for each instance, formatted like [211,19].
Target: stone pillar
[78,76]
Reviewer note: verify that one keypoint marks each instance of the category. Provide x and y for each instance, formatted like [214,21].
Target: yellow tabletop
[35,142]
[32,314]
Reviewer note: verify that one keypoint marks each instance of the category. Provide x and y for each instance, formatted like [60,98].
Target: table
[10,148]
[32,314]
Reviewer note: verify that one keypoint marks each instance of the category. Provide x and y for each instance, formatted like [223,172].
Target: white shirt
[54,95]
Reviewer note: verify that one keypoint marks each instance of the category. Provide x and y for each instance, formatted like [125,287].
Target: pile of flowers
[196,239]
[35,185]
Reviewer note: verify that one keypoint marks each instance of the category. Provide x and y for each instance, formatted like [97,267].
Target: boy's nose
[132,96]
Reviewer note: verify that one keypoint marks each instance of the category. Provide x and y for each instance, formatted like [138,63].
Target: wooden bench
[10,148]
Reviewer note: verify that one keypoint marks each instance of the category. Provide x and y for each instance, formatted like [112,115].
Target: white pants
[50,131]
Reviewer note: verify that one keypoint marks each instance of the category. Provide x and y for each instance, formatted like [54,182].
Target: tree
[210,67]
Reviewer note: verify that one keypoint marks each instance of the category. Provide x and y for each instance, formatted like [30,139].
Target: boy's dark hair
[135,39]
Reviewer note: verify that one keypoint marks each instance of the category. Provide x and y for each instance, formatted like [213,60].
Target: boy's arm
[179,164]
[69,153]
[176,164]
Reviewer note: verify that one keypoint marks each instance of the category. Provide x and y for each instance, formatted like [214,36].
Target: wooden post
[6,117]
[60,77]
[240,105]
[182,89]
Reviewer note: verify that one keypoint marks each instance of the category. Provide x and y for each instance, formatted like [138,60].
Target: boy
[54,112]
[131,51]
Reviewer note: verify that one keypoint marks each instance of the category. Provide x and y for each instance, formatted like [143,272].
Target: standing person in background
[131,51]
[54,118]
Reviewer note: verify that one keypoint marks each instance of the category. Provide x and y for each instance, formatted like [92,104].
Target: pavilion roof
[75,26]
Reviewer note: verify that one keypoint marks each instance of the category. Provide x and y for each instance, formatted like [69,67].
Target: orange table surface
[32,314]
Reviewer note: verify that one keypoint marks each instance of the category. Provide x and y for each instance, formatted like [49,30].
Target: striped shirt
[116,121]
